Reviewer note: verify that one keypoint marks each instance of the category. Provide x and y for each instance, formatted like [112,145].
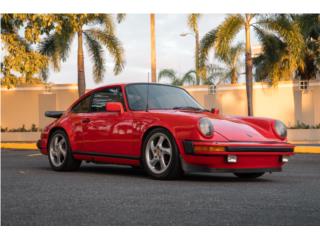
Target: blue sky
[173,51]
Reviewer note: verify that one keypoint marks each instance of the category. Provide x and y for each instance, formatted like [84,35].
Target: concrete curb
[32,146]
[19,146]
[307,149]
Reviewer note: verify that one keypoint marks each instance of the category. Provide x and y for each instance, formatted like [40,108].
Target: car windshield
[160,97]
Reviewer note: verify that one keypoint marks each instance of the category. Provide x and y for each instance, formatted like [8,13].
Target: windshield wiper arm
[191,108]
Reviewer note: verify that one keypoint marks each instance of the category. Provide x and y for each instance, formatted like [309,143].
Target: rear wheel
[249,175]
[59,153]
[161,155]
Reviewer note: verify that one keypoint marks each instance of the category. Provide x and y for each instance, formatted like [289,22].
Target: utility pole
[153,49]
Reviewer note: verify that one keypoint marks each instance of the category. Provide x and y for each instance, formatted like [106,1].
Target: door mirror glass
[114,107]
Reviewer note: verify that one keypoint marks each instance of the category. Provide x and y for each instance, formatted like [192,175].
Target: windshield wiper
[190,108]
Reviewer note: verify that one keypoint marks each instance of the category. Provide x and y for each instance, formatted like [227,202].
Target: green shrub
[301,125]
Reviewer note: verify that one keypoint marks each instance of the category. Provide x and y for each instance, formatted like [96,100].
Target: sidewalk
[300,148]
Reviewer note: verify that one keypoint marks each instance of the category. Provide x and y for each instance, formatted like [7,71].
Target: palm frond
[275,63]
[114,46]
[193,21]
[290,33]
[189,77]
[207,42]
[97,55]
[167,73]
[121,17]
[106,21]
[57,45]
[226,32]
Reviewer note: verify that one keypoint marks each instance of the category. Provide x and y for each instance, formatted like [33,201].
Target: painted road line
[34,155]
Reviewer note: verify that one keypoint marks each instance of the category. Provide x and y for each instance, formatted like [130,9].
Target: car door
[107,133]
[77,116]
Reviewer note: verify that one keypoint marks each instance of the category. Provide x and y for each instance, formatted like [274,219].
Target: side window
[83,106]
[99,99]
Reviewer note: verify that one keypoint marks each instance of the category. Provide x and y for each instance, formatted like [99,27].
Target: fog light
[285,159]
[232,159]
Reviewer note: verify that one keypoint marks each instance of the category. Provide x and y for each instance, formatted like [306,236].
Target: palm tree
[193,25]
[279,62]
[232,63]
[98,31]
[310,29]
[175,79]
[222,37]
[229,71]
[153,49]
[276,62]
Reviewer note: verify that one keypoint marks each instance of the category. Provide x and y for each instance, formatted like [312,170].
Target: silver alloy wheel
[58,150]
[158,153]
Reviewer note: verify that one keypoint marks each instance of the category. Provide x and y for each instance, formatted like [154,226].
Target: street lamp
[197,47]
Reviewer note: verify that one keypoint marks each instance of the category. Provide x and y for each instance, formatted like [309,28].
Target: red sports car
[164,130]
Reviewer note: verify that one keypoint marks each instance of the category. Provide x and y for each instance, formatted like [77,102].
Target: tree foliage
[21,64]
[281,38]
[98,31]
[188,78]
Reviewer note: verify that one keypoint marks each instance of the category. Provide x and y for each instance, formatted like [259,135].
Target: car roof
[126,84]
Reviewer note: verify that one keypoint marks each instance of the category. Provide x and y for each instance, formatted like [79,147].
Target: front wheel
[161,155]
[59,153]
[249,175]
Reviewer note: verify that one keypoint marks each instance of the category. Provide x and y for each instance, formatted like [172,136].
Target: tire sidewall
[68,156]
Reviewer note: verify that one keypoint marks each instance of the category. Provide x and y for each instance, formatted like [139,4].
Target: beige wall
[285,101]
[26,105]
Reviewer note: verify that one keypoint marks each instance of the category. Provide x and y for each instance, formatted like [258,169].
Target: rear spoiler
[53,114]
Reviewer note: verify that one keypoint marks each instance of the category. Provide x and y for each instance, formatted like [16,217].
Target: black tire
[249,175]
[173,170]
[68,163]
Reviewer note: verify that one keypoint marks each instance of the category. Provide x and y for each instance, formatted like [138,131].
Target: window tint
[83,106]
[100,99]
[160,97]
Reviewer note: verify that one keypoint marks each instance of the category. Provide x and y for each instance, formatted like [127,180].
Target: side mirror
[114,107]
[215,111]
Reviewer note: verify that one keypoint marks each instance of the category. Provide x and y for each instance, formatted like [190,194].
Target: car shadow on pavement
[140,173]
[127,171]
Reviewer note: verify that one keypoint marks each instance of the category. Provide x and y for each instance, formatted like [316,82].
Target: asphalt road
[33,194]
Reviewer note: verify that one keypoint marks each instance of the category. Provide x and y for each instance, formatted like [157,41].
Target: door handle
[86,120]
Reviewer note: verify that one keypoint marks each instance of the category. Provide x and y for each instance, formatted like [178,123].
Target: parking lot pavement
[33,194]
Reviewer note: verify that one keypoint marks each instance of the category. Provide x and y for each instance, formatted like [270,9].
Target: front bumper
[207,156]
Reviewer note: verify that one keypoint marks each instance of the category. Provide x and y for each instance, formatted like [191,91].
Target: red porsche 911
[162,129]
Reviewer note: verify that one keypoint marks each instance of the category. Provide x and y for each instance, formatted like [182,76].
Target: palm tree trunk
[234,77]
[153,49]
[248,65]
[81,75]
[197,51]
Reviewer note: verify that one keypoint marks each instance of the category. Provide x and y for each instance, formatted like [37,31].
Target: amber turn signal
[199,149]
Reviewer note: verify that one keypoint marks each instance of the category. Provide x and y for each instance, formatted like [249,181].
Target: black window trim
[168,85]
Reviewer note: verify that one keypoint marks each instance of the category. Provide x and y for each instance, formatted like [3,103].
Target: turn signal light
[199,149]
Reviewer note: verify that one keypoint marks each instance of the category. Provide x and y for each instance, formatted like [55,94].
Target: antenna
[147,105]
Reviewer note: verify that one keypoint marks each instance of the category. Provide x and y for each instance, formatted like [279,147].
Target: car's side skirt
[135,158]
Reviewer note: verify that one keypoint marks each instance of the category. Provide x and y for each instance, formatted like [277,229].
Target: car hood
[231,128]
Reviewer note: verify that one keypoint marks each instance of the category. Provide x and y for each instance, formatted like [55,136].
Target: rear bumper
[42,147]
[39,144]
[202,156]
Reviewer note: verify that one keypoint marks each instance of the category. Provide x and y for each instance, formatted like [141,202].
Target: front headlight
[280,129]
[206,127]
